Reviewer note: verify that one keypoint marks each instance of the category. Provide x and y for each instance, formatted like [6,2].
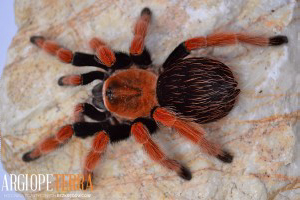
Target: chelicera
[130,99]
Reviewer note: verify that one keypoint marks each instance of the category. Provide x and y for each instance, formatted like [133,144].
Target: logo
[50,182]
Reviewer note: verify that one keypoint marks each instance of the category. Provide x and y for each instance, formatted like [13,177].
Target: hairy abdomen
[200,89]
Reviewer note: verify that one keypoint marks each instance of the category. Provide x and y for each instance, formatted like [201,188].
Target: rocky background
[262,130]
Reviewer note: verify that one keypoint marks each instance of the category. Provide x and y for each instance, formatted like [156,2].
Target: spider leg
[99,145]
[50,144]
[80,129]
[77,59]
[192,133]
[221,39]
[149,123]
[138,52]
[80,79]
[111,134]
[65,133]
[90,111]
[142,136]
[104,55]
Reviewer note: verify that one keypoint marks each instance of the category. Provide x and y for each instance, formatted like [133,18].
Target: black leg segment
[149,123]
[91,76]
[178,53]
[118,132]
[278,40]
[83,59]
[93,113]
[86,129]
[226,157]
[123,61]
[143,60]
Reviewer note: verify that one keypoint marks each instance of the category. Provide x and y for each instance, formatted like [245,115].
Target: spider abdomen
[200,89]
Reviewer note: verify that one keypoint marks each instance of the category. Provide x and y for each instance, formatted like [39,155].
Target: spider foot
[86,182]
[37,40]
[225,157]
[27,158]
[146,11]
[185,173]
[83,184]
[278,40]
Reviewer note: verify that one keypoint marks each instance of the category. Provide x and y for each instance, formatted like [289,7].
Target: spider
[130,99]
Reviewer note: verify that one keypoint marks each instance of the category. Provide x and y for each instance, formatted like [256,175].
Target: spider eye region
[109,93]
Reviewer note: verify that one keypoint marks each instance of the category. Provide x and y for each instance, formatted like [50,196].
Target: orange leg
[140,32]
[142,136]
[78,113]
[66,132]
[195,135]
[53,48]
[79,59]
[50,144]
[70,80]
[80,79]
[220,39]
[99,145]
[103,52]
[224,39]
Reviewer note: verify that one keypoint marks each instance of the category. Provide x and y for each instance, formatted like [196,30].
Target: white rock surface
[262,130]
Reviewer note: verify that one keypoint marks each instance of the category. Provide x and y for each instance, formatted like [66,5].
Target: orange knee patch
[64,134]
[164,116]
[95,43]
[103,52]
[71,80]
[78,116]
[195,43]
[65,55]
[137,45]
[106,56]
[100,142]
[140,133]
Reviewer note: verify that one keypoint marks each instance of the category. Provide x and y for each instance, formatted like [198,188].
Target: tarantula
[131,99]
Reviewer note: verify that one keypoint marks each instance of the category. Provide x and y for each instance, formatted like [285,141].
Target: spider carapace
[130,93]
[130,99]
